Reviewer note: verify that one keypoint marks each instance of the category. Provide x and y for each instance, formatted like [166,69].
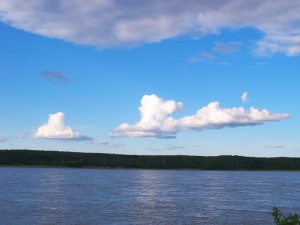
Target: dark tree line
[75,159]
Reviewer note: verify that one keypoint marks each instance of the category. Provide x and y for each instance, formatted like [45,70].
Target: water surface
[117,196]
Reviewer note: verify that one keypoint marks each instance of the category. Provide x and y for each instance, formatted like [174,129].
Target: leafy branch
[281,219]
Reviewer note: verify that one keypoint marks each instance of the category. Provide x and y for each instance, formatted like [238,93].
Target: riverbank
[101,160]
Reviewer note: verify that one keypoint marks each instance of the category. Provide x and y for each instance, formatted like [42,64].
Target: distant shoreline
[123,168]
[58,159]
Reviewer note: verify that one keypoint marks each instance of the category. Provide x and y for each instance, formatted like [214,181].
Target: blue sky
[151,77]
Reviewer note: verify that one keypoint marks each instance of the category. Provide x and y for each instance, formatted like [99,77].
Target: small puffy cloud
[244,97]
[54,75]
[156,120]
[56,128]
[111,23]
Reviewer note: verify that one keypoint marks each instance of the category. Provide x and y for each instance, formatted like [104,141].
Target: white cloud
[56,128]
[156,120]
[112,23]
[244,97]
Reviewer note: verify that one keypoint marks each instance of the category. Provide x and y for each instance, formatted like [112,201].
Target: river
[122,196]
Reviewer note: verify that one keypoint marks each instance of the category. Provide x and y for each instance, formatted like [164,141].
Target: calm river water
[117,196]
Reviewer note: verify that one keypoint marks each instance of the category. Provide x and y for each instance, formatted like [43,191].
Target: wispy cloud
[130,23]
[167,148]
[99,142]
[23,135]
[54,75]
[107,144]
[56,128]
[174,147]
[116,145]
[261,63]
[207,55]
[274,146]
[207,60]
[3,139]
[288,44]
[156,120]
[226,48]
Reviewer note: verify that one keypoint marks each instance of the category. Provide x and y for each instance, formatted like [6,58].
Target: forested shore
[102,160]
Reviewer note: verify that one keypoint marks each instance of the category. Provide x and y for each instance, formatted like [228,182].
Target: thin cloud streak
[107,144]
[226,48]
[207,55]
[274,146]
[54,75]
[167,148]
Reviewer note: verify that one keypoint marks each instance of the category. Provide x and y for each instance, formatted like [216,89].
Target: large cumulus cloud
[115,23]
[156,120]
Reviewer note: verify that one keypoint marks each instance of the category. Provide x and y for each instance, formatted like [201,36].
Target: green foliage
[281,219]
[77,159]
